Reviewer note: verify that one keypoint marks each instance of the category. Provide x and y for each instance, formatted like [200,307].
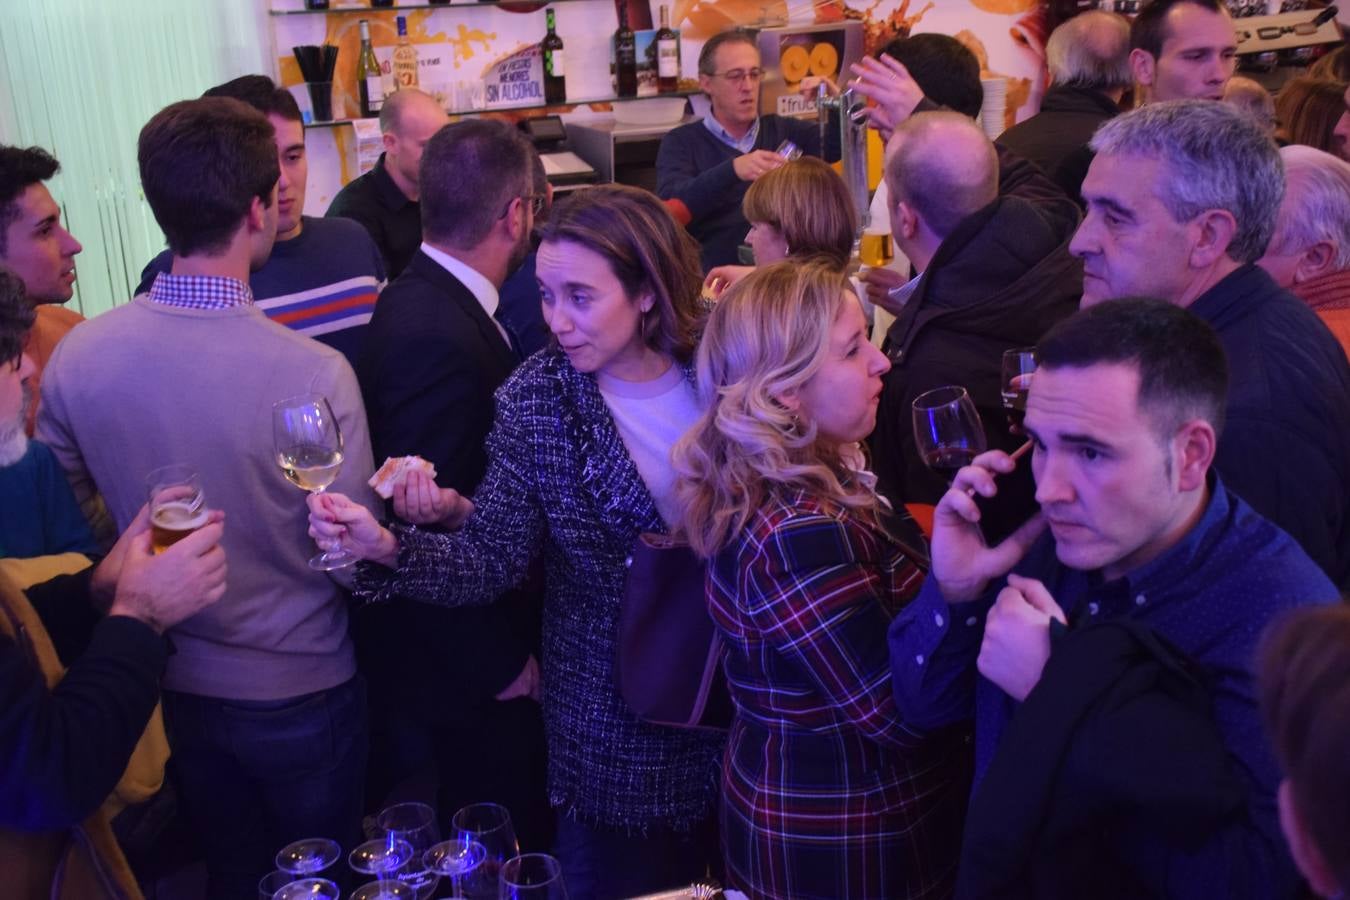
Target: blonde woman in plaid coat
[826,792]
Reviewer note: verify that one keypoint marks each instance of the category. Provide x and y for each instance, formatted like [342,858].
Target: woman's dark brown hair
[810,206]
[1307,110]
[1304,683]
[647,251]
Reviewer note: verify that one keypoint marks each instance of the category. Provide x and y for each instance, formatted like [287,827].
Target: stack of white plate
[995,105]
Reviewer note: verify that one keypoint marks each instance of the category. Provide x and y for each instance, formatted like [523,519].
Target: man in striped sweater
[324,275]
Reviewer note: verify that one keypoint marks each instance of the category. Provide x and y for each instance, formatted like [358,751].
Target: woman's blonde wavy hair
[767,337]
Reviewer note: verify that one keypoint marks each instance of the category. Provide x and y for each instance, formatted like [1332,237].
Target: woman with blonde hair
[579,466]
[800,210]
[826,791]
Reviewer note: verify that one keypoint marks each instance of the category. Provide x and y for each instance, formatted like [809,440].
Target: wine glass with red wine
[1018,365]
[947,429]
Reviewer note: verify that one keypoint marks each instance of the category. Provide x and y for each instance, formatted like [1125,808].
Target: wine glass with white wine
[309,451]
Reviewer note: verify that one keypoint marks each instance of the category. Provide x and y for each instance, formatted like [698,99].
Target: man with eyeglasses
[707,166]
[438,350]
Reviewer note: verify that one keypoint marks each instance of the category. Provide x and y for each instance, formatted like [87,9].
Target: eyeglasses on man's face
[737,76]
[536,202]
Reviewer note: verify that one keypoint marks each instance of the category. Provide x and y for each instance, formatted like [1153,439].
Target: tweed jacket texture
[561,483]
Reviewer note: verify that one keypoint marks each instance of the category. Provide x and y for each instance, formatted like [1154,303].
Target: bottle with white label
[667,56]
[369,79]
[555,84]
[405,58]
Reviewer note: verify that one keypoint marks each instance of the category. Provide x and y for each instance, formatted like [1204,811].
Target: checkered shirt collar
[200,291]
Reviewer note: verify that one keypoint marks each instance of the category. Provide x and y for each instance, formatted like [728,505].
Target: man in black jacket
[455,683]
[1089,61]
[1182,200]
[994,274]
[925,73]
[54,772]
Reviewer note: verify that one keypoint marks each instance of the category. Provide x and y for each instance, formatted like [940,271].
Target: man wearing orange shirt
[36,247]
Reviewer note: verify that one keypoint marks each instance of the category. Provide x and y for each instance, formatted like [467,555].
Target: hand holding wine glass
[1015,382]
[947,429]
[335,521]
[309,450]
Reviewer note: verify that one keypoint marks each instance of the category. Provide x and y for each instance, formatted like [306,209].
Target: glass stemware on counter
[414,823]
[409,861]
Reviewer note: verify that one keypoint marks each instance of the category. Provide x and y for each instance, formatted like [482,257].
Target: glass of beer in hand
[309,451]
[177,505]
[874,249]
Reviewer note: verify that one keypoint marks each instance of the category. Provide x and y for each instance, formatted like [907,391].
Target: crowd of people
[1139,691]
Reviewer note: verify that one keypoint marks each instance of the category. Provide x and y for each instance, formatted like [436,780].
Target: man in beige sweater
[265,712]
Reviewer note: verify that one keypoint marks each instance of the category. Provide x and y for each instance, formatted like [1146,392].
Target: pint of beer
[172,522]
[177,505]
[875,248]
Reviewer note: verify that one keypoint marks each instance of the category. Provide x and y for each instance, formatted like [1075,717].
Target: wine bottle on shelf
[405,59]
[555,84]
[369,79]
[316,4]
[667,56]
[625,56]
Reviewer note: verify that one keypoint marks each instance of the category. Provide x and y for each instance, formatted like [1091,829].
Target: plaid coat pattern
[826,792]
[560,484]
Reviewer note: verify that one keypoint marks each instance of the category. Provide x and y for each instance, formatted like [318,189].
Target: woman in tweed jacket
[826,791]
[619,280]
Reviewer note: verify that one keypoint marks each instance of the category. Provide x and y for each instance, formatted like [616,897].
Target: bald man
[994,274]
[1089,62]
[385,199]
[1310,251]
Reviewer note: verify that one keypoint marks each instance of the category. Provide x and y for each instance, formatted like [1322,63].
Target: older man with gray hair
[1089,61]
[1310,252]
[1182,199]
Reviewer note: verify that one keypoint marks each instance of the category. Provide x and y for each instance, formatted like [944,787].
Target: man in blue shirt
[38,513]
[1124,415]
[707,166]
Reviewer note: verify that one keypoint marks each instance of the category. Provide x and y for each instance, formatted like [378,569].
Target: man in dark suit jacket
[457,685]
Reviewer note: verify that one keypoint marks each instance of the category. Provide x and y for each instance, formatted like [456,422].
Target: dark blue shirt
[1211,595]
[38,512]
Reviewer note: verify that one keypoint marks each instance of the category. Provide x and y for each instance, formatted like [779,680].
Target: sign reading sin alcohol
[517,80]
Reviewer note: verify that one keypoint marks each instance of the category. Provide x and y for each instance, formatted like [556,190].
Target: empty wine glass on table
[1015,381]
[382,858]
[488,824]
[947,429]
[309,889]
[531,876]
[308,857]
[460,861]
[309,451]
[416,824]
[383,890]
[273,882]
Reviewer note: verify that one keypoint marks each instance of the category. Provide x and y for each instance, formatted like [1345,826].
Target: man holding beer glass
[265,712]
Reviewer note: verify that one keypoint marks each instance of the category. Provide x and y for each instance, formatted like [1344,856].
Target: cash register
[565,170]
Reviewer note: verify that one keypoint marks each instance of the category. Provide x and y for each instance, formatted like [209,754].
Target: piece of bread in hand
[394,470]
